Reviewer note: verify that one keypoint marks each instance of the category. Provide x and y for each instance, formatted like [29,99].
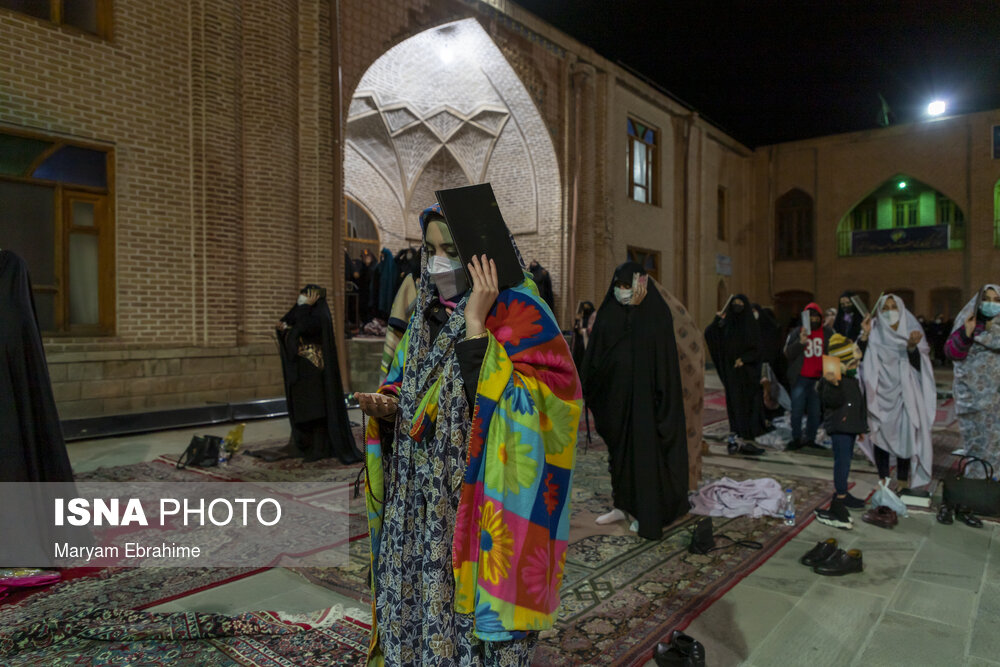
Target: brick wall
[222,119]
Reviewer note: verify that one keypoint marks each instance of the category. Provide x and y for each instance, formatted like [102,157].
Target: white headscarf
[977,376]
[966,311]
[902,402]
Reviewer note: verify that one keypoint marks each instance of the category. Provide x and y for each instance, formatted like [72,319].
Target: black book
[477,227]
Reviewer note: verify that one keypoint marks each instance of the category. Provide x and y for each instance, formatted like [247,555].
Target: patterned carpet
[124,637]
[621,594]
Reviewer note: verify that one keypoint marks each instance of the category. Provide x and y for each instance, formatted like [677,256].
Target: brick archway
[443,109]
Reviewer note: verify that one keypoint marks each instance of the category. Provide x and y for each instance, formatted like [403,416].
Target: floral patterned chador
[468,510]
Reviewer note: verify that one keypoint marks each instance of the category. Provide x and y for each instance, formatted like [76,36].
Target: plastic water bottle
[789,511]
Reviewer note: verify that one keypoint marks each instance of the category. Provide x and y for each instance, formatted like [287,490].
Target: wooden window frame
[790,230]
[104,17]
[652,164]
[104,228]
[910,208]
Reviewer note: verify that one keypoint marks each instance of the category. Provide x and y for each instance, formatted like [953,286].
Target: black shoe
[795,445]
[749,449]
[819,553]
[836,516]
[852,503]
[841,563]
[945,515]
[965,515]
[682,651]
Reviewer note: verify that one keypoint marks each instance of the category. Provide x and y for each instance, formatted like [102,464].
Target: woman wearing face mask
[469,467]
[734,342]
[901,395]
[848,320]
[313,389]
[632,383]
[974,346]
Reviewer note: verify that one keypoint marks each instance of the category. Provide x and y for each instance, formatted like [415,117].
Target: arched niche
[901,202]
[444,109]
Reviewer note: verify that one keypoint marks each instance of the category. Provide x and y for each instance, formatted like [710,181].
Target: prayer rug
[139,588]
[123,637]
[621,594]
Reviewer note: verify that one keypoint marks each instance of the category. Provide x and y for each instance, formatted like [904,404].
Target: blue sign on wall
[901,239]
[996,142]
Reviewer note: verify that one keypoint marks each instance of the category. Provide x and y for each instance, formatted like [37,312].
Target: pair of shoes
[749,449]
[826,559]
[841,563]
[737,445]
[795,445]
[965,515]
[880,516]
[819,553]
[852,503]
[945,515]
[836,515]
[682,651]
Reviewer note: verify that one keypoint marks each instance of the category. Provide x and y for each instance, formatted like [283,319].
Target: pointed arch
[444,108]
[901,202]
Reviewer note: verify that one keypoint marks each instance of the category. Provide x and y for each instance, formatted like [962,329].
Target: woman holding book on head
[469,466]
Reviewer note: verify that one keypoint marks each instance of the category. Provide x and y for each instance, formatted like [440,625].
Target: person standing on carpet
[845,418]
[313,389]
[804,349]
[900,392]
[543,281]
[974,346]
[632,384]
[32,448]
[734,342]
[471,448]
[848,320]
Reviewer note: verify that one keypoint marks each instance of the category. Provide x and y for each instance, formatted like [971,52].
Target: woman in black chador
[632,383]
[734,342]
[32,448]
[313,389]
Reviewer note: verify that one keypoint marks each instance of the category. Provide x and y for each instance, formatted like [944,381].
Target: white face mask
[892,317]
[448,275]
[302,300]
[624,295]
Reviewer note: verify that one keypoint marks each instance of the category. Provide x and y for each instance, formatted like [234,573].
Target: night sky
[767,71]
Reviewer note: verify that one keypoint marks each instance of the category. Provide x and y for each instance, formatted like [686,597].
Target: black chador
[632,383]
[313,388]
[737,337]
[32,448]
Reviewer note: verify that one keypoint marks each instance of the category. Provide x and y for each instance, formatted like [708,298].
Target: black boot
[682,651]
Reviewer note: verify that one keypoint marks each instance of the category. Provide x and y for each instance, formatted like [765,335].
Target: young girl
[845,417]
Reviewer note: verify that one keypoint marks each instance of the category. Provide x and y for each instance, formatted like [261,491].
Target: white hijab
[902,402]
[981,366]
[967,309]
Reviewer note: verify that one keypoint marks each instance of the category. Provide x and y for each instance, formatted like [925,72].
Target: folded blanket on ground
[729,498]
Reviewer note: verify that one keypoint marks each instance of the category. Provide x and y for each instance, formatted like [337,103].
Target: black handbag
[981,496]
[202,452]
[703,539]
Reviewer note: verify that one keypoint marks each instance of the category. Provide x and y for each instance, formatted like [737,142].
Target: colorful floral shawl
[512,523]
